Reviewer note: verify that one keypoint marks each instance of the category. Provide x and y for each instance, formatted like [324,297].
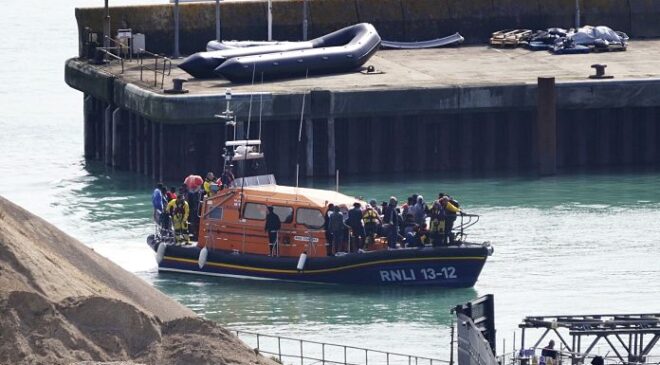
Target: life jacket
[179,208]
[370,216]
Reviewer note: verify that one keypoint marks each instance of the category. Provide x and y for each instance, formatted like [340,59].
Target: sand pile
[62,303]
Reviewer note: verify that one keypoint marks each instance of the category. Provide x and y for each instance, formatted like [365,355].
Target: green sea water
[569,244]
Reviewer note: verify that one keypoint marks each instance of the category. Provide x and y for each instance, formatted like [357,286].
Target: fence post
[279,348]
[302,356]
[323,353]
[258,347]
[344,355]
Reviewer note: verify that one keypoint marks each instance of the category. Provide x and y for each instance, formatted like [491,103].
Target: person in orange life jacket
[272,226]
[179,210]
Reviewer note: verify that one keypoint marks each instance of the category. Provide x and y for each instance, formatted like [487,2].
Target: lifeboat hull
[451,267]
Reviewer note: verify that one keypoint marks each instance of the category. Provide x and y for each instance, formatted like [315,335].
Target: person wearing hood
[419,210]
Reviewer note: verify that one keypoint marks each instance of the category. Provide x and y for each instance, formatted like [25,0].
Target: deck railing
[293,351]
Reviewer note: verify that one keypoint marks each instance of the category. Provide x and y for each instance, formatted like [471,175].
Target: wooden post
[107,134]
[139,133]
[546,126]
[88,115]
[131,141]
[331,146]
[309,147]
[155,155]
[117,148]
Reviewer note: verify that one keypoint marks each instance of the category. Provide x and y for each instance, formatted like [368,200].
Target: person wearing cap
[272,227]
[179,210]
[357,227]
[210,179]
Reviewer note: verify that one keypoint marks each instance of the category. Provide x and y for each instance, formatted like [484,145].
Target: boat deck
[457,66]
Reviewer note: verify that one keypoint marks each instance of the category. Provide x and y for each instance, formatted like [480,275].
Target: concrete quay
[467,109]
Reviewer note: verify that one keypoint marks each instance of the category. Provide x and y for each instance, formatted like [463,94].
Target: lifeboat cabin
[233,242]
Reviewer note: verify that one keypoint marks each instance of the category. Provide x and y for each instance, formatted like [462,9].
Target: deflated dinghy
[340,51]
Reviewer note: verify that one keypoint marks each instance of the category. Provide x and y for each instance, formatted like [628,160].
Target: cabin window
[259,211]
[312,218]
[254,211]
[285,213]
[215,213]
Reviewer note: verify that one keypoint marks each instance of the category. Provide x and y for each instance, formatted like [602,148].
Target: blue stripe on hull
[453,272]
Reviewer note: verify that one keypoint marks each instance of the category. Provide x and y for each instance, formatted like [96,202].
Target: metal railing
[164,70]
[293,351]
[108,53]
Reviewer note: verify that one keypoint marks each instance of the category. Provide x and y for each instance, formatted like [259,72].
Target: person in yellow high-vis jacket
[180,211]
[450,213]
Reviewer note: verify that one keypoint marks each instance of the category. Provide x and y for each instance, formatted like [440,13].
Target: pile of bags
[561,41]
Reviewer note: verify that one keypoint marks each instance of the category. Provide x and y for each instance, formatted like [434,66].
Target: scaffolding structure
[636,334]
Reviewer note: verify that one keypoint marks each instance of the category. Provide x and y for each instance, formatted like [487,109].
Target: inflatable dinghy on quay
[340,51]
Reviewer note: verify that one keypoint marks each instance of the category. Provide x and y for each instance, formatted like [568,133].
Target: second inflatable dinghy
[340,51]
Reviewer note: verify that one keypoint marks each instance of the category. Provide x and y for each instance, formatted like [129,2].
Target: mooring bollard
[600,72]
[177,87]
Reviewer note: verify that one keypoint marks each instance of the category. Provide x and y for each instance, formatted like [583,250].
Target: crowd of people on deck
[416,223]
[173,206]
[413,224]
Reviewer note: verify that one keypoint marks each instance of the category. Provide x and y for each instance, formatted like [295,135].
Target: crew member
[210,179]
[273,225]
[180,211]
[450,212]
[371,222]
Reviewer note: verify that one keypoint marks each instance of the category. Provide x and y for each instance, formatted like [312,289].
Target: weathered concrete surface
[412,82]
[404,20]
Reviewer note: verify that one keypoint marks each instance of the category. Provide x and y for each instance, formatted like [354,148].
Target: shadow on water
[242,302]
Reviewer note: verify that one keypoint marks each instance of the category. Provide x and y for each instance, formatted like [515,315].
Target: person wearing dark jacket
[391,222]
[273,225]
[357,228]
[337,227]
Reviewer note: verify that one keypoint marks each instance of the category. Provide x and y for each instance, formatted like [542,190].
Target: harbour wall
[450,129]
[398,20]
